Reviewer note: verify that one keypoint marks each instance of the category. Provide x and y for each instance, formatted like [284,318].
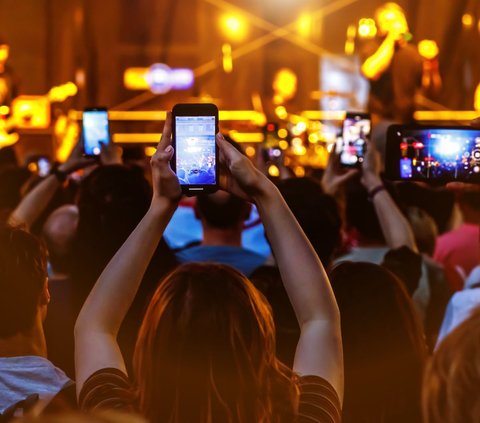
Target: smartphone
[435,154]
[44,166]
[196,153]
[95,130]
[351,147]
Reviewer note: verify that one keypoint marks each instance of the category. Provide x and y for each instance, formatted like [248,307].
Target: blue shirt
[244,260]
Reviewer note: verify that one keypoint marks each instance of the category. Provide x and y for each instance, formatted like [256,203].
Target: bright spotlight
[447,147]
[234,27]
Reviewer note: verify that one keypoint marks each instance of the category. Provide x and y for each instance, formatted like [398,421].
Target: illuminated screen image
[195,150]
[351,147]
[95,131]
[439,154]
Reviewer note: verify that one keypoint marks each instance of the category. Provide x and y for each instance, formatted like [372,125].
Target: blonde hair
[452,378]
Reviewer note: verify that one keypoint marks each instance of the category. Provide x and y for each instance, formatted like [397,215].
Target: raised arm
[38,199]
[319,350]
[379,61]
[395,226]
[102,314]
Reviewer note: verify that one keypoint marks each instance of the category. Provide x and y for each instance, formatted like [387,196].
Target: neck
[470,216]
[23,344]
[229,236]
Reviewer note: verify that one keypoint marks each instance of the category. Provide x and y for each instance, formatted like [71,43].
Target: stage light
[4,52]
[136,79]
[227,58]
[281,112]
[299,171]
[60,93]
[304,25]
[313,138]
[367,28]
[283,144]
[150,151]
[447,147]
[297,142]
[467,20]
[234,27]
[250,151]
[428,49]
[4,110]
[274,171]
[299,150]
[282,133]
[285,84]
[31,111]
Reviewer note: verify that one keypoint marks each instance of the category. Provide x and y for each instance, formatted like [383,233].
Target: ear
[45,296]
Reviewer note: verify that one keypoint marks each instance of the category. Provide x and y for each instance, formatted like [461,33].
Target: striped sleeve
[319,402]
[107,389]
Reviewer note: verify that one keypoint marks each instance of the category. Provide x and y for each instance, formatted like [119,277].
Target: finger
[228,150]
[166,138]
[462,187]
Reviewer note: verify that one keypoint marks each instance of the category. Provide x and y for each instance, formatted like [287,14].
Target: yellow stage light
[227,58]
[467,20]
[4,52]
[428,49]
[304,25]
[297,142]
[281,112]
[4,110]
[136,79]
[313,138]
[367,28]
[274,171]
[149,151]
[283,144]
[250,151]
[31,111]
[285,84]
[299,171]
[299,150]
[32,167]
[349,47]
[282,133]
[62,92]
[234,26]
[67,139]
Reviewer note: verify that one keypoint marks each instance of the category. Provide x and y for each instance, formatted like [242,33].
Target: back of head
[317,214]
[23,275]
[424,229]
[452,378]
[384,351]
[58,233]
[111,201]
[222,210]
[206,351]
[470,200]
[360,213]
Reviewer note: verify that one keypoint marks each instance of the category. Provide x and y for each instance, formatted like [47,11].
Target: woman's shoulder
[107,388]
[318,402]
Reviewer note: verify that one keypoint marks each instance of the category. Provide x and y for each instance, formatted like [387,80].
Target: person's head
[424,229]
[23,282]
[384,350]
[222,210]
[111,201]
[59,233]
[206,351]
[361,219]
[469,203]
[317,214]
[450,388]
[391,17]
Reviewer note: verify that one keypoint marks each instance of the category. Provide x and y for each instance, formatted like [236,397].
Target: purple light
[162,78]
[182,79]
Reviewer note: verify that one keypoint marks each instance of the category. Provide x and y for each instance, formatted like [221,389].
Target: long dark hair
[206,352]
[384,348]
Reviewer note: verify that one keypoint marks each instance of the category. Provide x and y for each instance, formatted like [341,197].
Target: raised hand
[76,160]
[334,176]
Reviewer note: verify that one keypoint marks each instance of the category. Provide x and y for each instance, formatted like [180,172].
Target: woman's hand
[334,176]
[165,182]
[76,160]
[238,175]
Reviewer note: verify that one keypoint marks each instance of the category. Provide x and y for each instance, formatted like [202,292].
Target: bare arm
[379,61]
[395,226]
[38,199]
[101,316]
[319,350]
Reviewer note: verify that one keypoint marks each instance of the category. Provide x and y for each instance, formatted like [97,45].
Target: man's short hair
[222,212]
[23,272]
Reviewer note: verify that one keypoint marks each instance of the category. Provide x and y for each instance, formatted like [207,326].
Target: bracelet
[59,174]
[375,191]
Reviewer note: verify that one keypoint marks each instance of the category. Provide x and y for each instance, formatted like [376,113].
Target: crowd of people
[365,310]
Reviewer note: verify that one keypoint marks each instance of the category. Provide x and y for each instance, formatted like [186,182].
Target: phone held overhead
[196,153]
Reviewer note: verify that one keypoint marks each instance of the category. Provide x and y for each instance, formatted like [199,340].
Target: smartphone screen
[352,146]
[435,154]
[195,150]
[44,166]
[95,131]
